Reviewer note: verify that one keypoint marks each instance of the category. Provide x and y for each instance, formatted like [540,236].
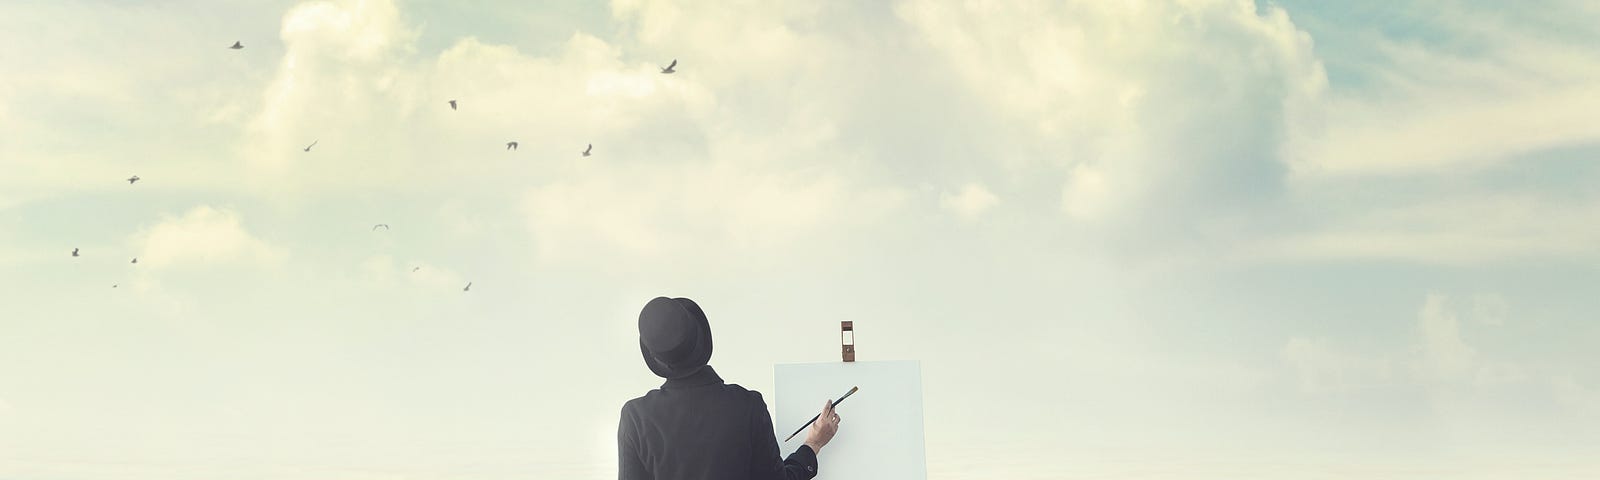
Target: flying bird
[669,67]
[511,145]
[135,260]
[236,46]
[313,144]
[587,150]
[467,288]
[384,225]
[452,104]
[132,179]
[414,269]
[113,285]
[74,252]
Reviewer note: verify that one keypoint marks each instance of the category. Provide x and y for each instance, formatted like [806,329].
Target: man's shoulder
[726,391]
[736,389]
[637,402]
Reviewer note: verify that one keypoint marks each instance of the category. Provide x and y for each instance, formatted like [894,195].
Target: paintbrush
[819,415]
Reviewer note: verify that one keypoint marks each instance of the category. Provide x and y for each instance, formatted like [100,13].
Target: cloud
[1141,136]
[676,168]
[972,200]
[1322,368]
[1432,107]
[7,93]
[352,76]
[730,44]
[1438,358]
[204,236]
[1570,392]
[83,106]
[1085,194]
[1458,229]
[1472,130]
[712,207]
[1434,152]
[1145,131]
[1445,356]
[344,70]
[1489,309]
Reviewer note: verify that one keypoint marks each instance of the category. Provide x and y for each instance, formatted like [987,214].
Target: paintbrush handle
[819,414]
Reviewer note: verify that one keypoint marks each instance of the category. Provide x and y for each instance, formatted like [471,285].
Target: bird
[511,145]
[113,285]
[414,269]
[135,260]
[452,104]
[132,179]
[313,144]
[74,251]
[236,46]
[467,288]
[669,67]
[587,150]
[384,225]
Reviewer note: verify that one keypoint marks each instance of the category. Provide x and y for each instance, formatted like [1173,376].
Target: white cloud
[1471,130]
[1321,368]
[7,95]
[1489,309]
[362,31]
[1152,109]
[1085,194]
[677,170]
[1141,134]
[147,102]
[1439,358]
[204,236]
[1462,230]
[718,207]
[174,305]
[764,42]
[674,169]
[1431,108]
[1445,356]
[343,71]
[972,200]
[1572,393]
[1447,126]
[1494,372]
[352,79]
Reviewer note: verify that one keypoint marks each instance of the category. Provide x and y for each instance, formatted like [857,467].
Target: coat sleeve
[629,467]
[801,465]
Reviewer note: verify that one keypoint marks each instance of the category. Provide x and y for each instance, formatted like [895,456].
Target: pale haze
[1198,239]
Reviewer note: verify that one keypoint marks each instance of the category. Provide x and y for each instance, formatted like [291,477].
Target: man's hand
[823,429]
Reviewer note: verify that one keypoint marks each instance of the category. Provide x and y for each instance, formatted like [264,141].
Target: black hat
[674,337]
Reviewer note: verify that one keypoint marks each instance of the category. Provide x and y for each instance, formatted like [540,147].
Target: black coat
[698,428]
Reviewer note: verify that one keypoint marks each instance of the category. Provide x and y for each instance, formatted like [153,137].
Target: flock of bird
[512,145]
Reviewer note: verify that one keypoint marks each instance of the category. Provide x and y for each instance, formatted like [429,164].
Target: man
[695,426]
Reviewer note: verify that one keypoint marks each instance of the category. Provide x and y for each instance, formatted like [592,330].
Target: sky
[1184,239]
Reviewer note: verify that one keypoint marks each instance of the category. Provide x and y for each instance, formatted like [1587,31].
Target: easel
[847,340]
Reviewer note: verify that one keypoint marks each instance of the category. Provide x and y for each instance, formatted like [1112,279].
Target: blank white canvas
[880,431]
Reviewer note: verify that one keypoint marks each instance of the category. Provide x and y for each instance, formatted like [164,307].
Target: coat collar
[706,376]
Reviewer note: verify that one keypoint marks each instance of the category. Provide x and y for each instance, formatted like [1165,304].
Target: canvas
[880,432]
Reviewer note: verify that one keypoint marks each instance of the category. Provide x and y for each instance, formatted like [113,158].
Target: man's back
[699,428]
